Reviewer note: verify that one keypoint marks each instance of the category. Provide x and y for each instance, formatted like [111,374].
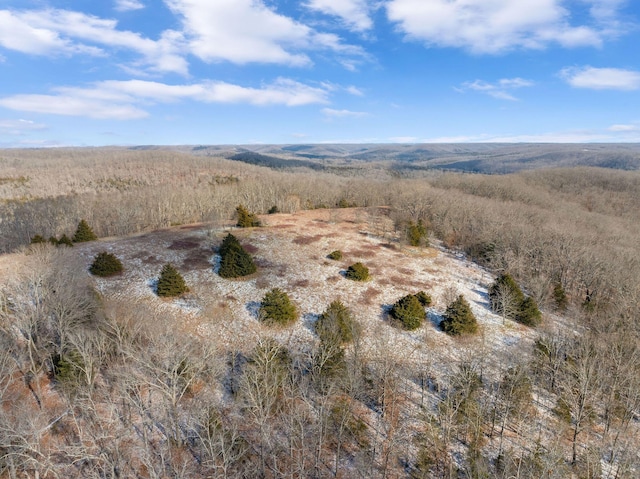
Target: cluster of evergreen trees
[83,233]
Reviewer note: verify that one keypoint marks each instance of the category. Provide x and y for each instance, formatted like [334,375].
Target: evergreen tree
[529,314]
[245,218]
[64,240]
[105,264]
[357,272]
[53,240]
[503,286]
[171,283]
[277,308]
[409,312]
[508,300]
[336,324]
[235,262]
[459,319]
[560,297]
[417,234]
[37,239]
[335,255]
[84,233]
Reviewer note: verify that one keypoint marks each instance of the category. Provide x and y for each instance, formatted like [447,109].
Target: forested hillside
[429,367]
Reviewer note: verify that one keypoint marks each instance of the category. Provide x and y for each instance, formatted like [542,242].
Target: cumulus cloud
[47,32]
[125,100]
[355,14]
[500,89]
[601,78]
[128,5]
[245,31]
[496,26]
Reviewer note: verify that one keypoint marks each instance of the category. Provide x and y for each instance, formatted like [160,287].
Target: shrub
[245,218]
[37,239]
[171,283]
[235,262]
[273,210]
[336,324]
[459,319]
[277,308]
[105,264]
[53,240]
[409,311]
[357,272]
[84,233]
[335,255]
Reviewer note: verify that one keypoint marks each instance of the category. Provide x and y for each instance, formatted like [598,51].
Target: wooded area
[97,386]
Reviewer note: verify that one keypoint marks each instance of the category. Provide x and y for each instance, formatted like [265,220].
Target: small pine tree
[417,234]
[409,312]
[277,308]
[105,264]
[53,240]
[529,314]
[235,262]
[458,319]
[273,210]
[560,297]
[245,218]
[84,233]
[64,241]
[504,285]
[335,255]
[336,324]
[38,239]
[357,272]
[171,283]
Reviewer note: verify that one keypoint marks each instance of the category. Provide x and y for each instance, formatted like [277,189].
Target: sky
[196,72]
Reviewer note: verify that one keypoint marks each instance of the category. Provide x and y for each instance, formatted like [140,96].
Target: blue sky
[130,72]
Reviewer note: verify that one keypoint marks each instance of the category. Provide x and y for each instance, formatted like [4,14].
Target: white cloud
[128,5]
[494,26]
[353,13]
[499,90]
[125,100]
[20,127]
[331,113]
[625,128]
[602,78]
[47,32]
[245,31]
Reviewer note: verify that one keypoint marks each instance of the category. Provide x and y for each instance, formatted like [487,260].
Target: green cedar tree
[277,308]
[105,264]
[170,283]
[459,319]
[336,324]
[409,312]
[357,272]
[84,233]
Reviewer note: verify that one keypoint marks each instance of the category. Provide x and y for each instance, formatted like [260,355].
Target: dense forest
[96,385]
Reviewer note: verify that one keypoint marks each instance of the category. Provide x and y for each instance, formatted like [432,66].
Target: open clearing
[291,253]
